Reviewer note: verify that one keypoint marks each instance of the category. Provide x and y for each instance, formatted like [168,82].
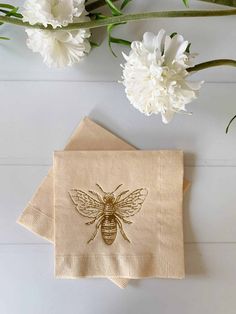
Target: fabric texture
[38,216]
[124,209]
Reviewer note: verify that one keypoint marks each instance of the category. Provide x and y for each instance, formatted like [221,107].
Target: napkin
[118,214]
[38,216]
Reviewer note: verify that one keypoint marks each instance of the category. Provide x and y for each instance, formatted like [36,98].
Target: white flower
[154,75]
[52,12]
[59,48]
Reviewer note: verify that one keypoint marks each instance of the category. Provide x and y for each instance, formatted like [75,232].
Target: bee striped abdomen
[109,229]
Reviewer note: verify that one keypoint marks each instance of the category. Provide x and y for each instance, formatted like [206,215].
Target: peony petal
[58,48]
[194,85]
[148,41]
[51,12]
[182,48]
[172,47]
[160,40]
[167,42]
[167,116]
[125,56]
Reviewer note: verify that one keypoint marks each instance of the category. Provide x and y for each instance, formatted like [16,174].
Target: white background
[40,107]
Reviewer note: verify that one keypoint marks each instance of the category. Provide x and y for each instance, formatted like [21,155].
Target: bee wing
[132,203]
[86,205]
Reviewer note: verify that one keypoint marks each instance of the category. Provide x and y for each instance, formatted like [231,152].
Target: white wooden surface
[39,108]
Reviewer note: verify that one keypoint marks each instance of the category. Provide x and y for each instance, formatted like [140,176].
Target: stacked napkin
[110,210]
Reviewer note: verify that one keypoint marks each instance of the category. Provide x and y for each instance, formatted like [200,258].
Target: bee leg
[123,219]
[91,222]
[94,219]
[127,221]
[96,230]
[122,230]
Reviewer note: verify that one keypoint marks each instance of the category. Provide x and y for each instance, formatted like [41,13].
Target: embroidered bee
[108,210]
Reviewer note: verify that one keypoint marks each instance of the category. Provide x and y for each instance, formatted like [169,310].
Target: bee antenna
[117,188]
[100,188]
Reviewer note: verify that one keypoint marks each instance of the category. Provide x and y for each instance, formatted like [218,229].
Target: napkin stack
[111,211]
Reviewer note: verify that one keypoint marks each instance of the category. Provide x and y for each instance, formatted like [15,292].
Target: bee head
[108,198]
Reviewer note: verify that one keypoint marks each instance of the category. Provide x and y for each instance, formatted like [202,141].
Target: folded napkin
[38,216]
[118,214]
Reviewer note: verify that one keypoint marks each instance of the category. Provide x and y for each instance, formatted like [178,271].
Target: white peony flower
[155,74]
[52,12]
[59,48]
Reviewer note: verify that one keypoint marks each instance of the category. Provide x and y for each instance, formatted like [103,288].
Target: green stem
[230,3]
[149,15]
[125,18]
[212,63]
[18,22]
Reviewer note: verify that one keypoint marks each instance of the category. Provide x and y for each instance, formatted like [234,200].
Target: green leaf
[109,30]
[13,12]
[93,44]
[6,6]
[115,40]
[110,47]
[173,34]
[229,3]
[114,10]
[188,48]
[97,16]
[8,10]
[120,41]
[124,4]
[227,128]
[186,2]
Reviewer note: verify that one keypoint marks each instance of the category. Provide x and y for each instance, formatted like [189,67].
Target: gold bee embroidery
[108,210]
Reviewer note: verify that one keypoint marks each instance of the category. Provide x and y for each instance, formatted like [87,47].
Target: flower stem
[230,3]
[124,18]
[212,63]
[149,15]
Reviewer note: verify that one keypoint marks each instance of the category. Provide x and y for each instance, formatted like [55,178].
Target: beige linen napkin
[38,216]
[118,214]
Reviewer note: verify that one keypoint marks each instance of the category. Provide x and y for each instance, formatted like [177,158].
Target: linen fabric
[118,214]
